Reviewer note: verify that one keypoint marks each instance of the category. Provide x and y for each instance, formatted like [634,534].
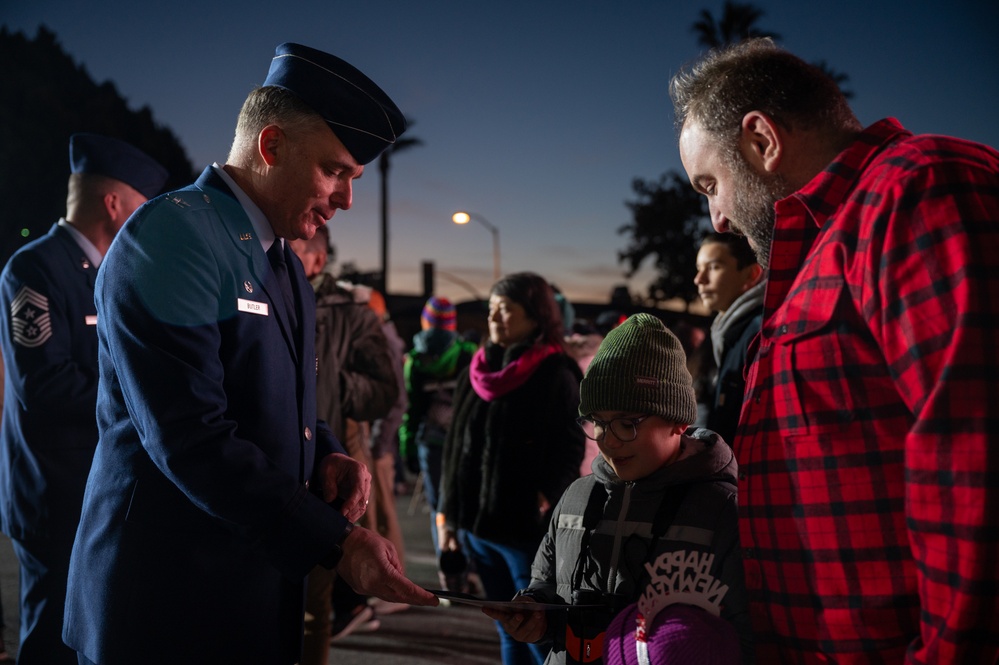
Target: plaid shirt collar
[816,201]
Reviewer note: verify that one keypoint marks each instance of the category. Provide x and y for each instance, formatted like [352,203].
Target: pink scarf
[492,385]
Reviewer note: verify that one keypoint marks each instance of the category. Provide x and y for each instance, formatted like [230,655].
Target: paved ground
[450,635]
[456,634]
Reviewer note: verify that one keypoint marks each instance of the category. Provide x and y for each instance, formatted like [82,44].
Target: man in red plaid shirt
[868,445]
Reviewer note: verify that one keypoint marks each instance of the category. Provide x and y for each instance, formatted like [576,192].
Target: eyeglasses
[623,429]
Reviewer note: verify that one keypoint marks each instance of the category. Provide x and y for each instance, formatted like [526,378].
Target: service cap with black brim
[361,115]
[117,159]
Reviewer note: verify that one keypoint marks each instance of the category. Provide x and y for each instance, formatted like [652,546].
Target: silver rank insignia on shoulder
[30,323]
[179,201]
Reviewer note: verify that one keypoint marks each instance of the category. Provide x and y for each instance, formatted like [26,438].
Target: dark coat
[198,524]
[356,372]
[49,336]
[730,385]
[498,455]
[621,543]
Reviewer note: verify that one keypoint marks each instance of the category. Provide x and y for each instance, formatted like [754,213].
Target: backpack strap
[591,517]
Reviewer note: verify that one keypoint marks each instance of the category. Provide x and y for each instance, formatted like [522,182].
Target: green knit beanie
[640,367]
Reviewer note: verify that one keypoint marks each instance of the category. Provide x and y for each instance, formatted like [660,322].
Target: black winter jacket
[356,376]
[499,455]
[610,555]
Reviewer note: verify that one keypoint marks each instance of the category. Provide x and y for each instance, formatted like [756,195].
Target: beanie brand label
[646,381]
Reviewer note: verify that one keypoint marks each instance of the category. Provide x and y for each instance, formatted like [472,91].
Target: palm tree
[669,221]
[738,22]
[384,164]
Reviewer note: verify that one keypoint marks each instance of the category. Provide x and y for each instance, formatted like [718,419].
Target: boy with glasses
[655,524]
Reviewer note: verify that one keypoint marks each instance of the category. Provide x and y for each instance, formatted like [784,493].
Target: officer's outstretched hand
[346,482]
[370,566]
[525,625]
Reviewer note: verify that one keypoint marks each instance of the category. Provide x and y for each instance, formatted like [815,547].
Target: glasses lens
[623,429]
[590,429]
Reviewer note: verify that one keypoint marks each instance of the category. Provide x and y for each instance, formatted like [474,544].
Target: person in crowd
[566,309]
[581,342]
[215,488]
[430,374]
[657,513]
[868,455]
[730,284]
[355,381]
[514,446]
[5,656]
[385,447]
[608,320]
[49,337]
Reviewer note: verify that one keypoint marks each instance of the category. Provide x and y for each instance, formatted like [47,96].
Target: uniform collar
[261,226]
[89,249]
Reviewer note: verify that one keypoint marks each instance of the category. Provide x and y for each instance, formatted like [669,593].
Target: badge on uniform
[30,323]
[252,306]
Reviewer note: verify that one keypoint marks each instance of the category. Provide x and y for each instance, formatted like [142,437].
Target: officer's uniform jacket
[49,337]
[198,513]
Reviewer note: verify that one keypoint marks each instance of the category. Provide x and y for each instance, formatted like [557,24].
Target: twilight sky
[536,115]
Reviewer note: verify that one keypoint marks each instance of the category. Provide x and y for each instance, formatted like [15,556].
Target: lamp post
[463,217]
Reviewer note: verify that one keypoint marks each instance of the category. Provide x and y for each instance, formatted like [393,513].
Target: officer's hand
[525,625]
[370,566]
[347,482]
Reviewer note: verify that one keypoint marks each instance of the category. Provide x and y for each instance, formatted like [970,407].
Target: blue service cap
[360,114]
[113,158]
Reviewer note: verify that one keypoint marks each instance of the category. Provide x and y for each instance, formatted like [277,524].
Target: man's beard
[753,208]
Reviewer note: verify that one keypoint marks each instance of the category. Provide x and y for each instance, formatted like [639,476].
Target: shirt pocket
[812,340]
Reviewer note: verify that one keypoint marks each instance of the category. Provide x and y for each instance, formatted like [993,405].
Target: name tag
[90,319]
[252,306]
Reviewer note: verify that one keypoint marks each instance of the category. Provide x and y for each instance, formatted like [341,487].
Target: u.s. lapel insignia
[246,236]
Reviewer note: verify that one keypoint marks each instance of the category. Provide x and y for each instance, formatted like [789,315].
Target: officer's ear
[112,204]
[271,144]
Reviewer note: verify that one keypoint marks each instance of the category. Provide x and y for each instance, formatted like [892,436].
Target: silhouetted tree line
[46,98]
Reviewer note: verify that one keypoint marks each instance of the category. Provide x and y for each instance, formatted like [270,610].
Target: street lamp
[462,217]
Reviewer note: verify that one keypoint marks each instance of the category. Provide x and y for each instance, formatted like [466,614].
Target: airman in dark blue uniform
[48,330]
[215,488]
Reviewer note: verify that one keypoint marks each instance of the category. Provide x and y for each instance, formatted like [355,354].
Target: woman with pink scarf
[514,446]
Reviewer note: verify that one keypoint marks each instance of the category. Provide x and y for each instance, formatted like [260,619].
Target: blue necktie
[280,268]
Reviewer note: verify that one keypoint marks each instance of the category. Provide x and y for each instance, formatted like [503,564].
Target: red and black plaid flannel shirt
[869,441]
